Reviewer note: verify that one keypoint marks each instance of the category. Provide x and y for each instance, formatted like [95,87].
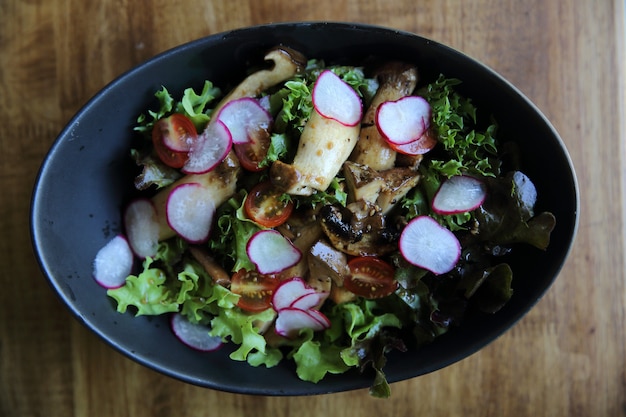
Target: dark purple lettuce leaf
[507,215]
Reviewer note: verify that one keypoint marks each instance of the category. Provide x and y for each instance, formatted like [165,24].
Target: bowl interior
[87,176]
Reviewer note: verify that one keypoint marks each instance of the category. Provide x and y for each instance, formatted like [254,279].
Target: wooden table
[566,358]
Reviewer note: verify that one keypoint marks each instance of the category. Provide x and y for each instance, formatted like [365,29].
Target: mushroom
[362,182]
[359,229]
[398,182]
[324,146]
[217,273]
[287,62]
[326,261]
[382,188]
[396,80]
[328,267]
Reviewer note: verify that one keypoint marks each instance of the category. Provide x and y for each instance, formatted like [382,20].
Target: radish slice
[209,150]
[289,292]
[194,335]
[142,227]
[244,116]
[189,212]
[291,320]
[418,147]
[427,244]
[319,316]
[113,263]
[459,194]
[403,121]
[309,301]
[271,252]
[335,99]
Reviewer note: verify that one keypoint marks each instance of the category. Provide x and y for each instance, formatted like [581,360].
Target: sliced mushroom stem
[396,80]
[287,62]
[324,146]
[217,273]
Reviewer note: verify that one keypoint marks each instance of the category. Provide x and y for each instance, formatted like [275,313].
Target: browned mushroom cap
[359,229]
[396,80]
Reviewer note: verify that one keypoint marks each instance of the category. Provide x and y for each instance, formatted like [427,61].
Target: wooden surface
[566,358]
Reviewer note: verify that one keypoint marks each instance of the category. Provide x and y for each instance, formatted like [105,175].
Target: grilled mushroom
[359,229]
[286,63]
[396,80]
[324,146]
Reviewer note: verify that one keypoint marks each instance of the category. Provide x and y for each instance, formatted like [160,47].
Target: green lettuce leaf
[234,231]
[315,359]
[279,147]
[146,291]
[242,329]
[145,123]
[194,105]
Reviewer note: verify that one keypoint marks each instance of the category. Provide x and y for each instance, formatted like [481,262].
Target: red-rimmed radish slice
[272,252]
[177,132]
[334,99]
[309,301]
[142,227]
[194,335]
[189,212]
[289,291]
[459,194]
[113,263]
[211,147]
[403,121]
[319,316]
[427,244]
[418,147]
[291,320]
[243,116]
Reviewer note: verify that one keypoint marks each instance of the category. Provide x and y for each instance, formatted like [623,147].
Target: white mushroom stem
[325,144]
[286,63]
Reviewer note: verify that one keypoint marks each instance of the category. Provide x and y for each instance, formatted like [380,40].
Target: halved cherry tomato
[255,289]
[251,154]
[370,277]
[264,206]
[172,137]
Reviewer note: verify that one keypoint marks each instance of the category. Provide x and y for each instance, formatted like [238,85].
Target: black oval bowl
[87,176]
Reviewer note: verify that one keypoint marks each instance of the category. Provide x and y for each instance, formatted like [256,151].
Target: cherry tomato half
[264,206]
[251,153]
[370,277]
[255,289]
[172,137]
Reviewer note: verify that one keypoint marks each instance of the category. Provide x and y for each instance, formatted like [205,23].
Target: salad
[322,214]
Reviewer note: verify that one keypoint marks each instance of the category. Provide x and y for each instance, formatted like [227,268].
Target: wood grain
[566,358]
